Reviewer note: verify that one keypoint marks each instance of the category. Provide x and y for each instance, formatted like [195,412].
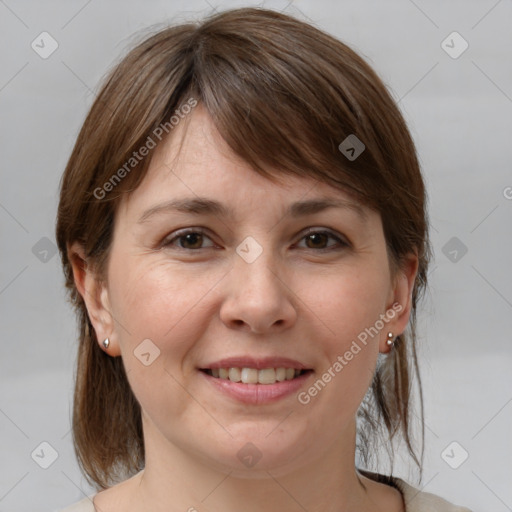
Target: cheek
[348,302]
[350,308]
[155,299]
[165,303]
[153,305]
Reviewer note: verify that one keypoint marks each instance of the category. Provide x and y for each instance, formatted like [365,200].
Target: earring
[390,342]
[106,343]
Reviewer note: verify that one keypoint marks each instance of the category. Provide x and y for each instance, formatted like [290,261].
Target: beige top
[415,500]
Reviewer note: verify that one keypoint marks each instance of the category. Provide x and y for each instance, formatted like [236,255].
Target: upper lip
[258,363]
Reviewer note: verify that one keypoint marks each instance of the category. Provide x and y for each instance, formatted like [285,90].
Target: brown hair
[283,95]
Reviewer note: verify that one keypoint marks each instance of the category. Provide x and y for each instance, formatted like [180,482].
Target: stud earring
[390,342]
[106,343]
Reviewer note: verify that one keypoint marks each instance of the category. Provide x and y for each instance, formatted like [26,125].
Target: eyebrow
[206,206]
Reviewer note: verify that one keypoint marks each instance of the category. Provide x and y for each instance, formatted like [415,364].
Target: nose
[259,299]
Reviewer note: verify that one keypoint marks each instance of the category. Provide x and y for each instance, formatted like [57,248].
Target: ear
[96,298]
[400,300]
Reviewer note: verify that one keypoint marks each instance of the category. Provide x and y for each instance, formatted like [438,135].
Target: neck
[184,481]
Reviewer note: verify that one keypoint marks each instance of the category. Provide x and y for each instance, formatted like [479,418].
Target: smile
[255,376]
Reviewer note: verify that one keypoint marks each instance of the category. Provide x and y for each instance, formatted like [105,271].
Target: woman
[243,230]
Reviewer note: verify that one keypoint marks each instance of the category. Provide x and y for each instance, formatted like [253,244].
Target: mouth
[264,376]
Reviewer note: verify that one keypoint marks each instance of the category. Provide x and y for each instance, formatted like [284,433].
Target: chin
[254,456]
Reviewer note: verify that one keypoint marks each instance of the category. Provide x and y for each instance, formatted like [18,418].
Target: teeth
[281,374]
[249,376]
[255,376]
[235,374]
[267,376]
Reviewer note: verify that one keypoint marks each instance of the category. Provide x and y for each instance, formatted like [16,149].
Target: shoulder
[415,500]
[419,501]
[110,498]
[84,505]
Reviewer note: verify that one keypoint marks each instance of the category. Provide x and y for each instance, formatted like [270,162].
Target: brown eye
[319,239]
[189,240]
[316,240]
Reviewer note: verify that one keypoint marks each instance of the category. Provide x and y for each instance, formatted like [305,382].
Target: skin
[199,301]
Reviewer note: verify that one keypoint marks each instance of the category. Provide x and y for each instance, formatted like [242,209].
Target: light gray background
[460,113]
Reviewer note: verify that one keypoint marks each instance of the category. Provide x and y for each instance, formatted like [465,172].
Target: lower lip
[258,393]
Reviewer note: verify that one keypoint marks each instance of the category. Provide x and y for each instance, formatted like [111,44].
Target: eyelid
[341,239]
[168,241]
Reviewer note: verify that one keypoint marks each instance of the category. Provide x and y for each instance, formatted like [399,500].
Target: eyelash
[181,234]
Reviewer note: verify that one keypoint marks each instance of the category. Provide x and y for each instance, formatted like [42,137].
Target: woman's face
[251,270]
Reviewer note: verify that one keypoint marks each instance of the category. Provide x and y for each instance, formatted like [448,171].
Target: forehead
[194,160]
